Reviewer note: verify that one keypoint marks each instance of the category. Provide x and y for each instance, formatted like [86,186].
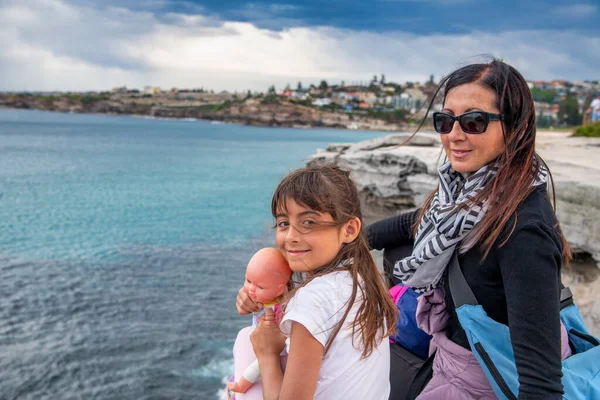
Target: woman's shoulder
[536,210]
[535,219]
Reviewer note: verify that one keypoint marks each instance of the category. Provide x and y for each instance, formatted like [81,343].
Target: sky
[235,45]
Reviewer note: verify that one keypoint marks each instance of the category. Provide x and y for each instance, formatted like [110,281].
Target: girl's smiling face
[469,152]
[309,239]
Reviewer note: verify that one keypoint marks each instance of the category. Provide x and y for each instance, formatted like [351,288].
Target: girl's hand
[267,340]
[245,305]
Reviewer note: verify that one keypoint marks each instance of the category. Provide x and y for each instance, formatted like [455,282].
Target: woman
[491,205]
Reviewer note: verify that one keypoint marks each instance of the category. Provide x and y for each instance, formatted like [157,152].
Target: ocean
[123,243]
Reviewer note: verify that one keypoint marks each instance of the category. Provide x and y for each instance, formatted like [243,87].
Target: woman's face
[469,152]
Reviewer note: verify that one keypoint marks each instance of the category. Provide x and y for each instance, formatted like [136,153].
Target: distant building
[410,99]
[346,96]
[323,101]
[300,95]
[543,85]
[151,90]
[367,96]
[546,109]
[122,89]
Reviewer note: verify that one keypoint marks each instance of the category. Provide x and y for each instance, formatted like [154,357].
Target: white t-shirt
[319,306]
[595,104]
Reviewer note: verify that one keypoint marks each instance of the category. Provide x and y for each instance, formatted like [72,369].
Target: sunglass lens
[473,123]
[442,123]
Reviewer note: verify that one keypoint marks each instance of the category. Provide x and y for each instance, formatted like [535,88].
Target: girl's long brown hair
[519,164]
[328,189]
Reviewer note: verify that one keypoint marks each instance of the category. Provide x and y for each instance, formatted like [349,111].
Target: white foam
[217,368]
[222,393]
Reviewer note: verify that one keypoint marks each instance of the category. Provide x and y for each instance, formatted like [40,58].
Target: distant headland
[374,105]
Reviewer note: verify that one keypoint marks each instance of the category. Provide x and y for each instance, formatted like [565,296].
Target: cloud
[55,45]
[575,11]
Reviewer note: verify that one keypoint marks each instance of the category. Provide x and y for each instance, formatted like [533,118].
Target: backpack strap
[459,288]
[566,297]
[462,293]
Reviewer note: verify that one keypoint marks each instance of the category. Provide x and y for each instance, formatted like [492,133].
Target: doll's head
[267,275]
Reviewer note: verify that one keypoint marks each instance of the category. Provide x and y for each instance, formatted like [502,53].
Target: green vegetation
[591,130]
[544,96]
[210,108]
[305,102]
[49,100]
[568,113]
[89,99]
[544,121]
[389,116]
[270,99]
[333,107]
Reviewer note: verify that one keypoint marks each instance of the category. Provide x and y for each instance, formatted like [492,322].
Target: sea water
[123,243]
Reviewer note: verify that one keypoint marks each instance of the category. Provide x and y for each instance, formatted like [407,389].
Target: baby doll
[267,277]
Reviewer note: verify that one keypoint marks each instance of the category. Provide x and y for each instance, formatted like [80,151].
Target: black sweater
[518,285]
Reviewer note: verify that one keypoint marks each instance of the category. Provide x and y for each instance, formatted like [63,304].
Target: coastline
[248,112]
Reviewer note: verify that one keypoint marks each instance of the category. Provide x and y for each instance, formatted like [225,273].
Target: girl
[336,324]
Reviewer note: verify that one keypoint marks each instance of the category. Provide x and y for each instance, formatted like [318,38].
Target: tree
[431,80]
[569,111]
[544,121]
[374,80]
[545,96]
[272,90]
[299,86]
[343,84]
[382,80]
[288,88]
[249,95]
[323,86]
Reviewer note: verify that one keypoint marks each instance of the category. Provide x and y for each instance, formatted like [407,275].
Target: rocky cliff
[392,177]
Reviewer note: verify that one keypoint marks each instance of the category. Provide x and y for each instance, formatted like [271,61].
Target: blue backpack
[408,334]
[491,345]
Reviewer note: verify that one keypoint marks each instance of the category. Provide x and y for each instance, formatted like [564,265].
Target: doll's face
[264,284]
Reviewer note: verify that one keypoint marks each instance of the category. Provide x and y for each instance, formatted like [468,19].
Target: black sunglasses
[473,122]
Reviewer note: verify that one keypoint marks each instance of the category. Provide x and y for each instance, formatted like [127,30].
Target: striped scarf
[444,225]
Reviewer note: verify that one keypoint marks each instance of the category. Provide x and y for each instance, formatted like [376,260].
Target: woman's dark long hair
[328,189]
[519,164]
